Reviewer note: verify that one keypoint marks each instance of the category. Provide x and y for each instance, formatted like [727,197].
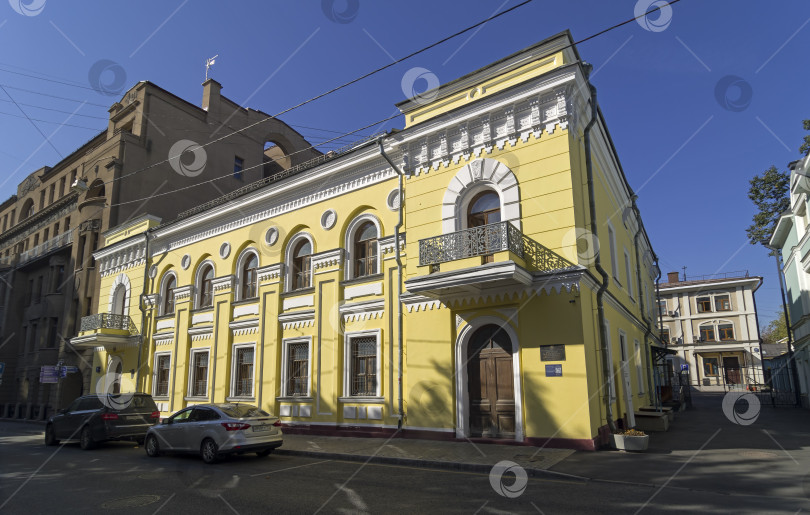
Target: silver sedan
[214,430]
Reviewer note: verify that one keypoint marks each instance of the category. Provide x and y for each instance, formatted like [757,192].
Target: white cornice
[222,283]
[243,327]
[327,259]
[297,319]
[268,272]
[201,333]
[183,292]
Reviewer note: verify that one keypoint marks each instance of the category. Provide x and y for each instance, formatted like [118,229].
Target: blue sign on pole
[553,370]
[2,367]
[71,370]
[685,367]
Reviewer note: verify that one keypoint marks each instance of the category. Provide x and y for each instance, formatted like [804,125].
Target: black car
[101,417]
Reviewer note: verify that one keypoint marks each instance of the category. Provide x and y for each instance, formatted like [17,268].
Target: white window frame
[239,265]
[347,366]
[198,293]
[628,268]
[623,350]
[469,195]
[190,390]
[611,377]
[285,344]
[159,355]
[351,232]
[288,260]
[614,260]
[162,292]
[235,349]
[639,367]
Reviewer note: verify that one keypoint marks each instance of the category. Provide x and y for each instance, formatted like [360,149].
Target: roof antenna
[684,272]
[208,64]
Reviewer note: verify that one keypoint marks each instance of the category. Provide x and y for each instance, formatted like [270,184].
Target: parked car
[101,417]
[215,430]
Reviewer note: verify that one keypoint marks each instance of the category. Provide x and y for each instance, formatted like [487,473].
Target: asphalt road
[119,477]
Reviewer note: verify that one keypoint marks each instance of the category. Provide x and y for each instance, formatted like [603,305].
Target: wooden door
[491,385]
[731,365]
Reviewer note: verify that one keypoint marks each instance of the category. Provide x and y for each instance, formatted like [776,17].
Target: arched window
[248,277]
[205,286]
[119,300]
[302,264]
[96,189]
[27,209]
[484,209]
[365,250]
[167,294]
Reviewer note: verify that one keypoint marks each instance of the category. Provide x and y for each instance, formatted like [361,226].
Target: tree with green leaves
[770,193]
[775,330]
[806,141]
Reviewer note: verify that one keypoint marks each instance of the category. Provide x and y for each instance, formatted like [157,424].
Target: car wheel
[50,437]
[208,451]
[86,440]
[152,446]
[264,452]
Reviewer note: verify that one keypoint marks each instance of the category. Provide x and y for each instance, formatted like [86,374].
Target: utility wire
[32,123]
[52,123]
[53,96]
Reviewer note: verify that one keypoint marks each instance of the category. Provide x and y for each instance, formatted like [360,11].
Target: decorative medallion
[153,271]
[271,236]
[328,219]
[225,250]
[393,200]
[185,262]
[475,166]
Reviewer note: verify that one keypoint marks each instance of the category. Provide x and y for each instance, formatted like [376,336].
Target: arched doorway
[117,381]
[491,386]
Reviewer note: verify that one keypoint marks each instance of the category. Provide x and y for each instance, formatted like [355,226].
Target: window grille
[364,366]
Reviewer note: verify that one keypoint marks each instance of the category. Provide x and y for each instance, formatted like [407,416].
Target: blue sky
[689,138]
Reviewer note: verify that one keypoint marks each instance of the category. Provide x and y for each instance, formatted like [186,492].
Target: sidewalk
[463,455]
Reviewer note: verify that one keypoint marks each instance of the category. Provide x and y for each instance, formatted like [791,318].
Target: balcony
[64,239]
[106,330]
[488,256]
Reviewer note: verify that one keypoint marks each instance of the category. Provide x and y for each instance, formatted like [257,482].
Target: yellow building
[480,320]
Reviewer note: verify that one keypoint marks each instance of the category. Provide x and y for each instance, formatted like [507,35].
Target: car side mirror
[167,421]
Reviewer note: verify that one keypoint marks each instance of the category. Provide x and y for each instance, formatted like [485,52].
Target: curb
[420,463]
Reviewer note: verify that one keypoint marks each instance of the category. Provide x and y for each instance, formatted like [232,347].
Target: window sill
[294,399]
[364,279]
[302,291]
[251,300]
[195,399]
[167,316]
[362,400]
[161,398]
[202,310]
[240,399]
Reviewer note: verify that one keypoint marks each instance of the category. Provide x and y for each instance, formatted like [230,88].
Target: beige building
[712,323]
[58,217]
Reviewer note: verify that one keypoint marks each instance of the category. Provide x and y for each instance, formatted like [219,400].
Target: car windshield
[242,411]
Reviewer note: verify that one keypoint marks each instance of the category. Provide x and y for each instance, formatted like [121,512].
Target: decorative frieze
[271,272]
[243,327]
[201,333]
[328,259]
[222,283]
[297,319]
[183,293]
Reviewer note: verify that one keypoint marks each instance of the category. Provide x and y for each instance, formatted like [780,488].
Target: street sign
[71,370]
[48,374]
[2,367]
[685,367]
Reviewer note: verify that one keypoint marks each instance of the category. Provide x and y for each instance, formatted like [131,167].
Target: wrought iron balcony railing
[488,239]
[108,321]
[66,238]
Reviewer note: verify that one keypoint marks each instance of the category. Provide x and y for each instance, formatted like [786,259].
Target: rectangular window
[73,176]
[639,366]
[56,229]
[704,305]
[722,303]
[67,223]
[243,372]
[614,261]
[297,380]
[58,278]
[61,187]
[162,368]
[53,333]
[662,307]
[363,371]
[199,373]
[707,333]
[52,193]
[726,332]
[623,345]
[627,273]
[36,240]
[710,366]
[45,234]
[5,221]
[41,200]
[238,166]
[665,334]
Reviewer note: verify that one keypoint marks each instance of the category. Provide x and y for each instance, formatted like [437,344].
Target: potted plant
[630,440]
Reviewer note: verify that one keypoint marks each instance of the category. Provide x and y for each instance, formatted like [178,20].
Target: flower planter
[629,442]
